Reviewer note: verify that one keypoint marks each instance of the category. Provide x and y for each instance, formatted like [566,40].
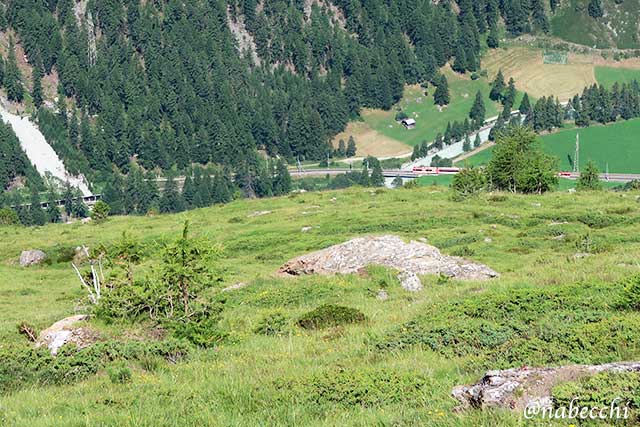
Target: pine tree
[497,87]
[493,40]
[477,113]
[397,182]
[12,76]
[364,176]
[36,93]
[589,177]
[595,8]
[466,145]
[477,142]
[525,105]
[171,200]
[441,95]
[282,180]
[377,178]
[36,213]
[351,147]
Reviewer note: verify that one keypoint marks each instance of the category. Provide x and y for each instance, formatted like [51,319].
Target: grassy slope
[615,144]
[573,23]
[236,384]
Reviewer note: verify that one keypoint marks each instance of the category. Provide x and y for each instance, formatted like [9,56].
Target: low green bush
[363,387]
[275,323]
[329,315]
[25,366]
[119,373]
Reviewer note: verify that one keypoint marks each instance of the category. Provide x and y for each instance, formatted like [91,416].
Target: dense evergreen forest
[166,82]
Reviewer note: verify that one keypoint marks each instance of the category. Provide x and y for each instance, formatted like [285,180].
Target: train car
[427,170]
[448,170]
[565,174]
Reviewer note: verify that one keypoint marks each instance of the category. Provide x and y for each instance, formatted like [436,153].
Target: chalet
[409,123]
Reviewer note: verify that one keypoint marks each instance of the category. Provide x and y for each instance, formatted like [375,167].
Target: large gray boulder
[32,257]
[411,259]
[519,388]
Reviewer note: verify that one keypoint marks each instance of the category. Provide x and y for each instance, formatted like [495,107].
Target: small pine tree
[525,105]
[100,211]
[493,40]
[351,147]
[478,110]
[342,148]
[397,182]
[441,95]
[377,178]
[466,145]
[589,177]
[467,183]
[497,87]
[595,8]
[36,93]
[477,142]
[282,180]
[12,76]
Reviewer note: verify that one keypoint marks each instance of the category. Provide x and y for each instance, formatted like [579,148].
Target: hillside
[617,26]
[239,381]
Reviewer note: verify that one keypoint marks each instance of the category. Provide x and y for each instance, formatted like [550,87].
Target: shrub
[100,211]
[329,315]
[401,116]
[363,387]
[119,374]
[631,294]
[275,323]
[35,366]
[468,183]
[8,217]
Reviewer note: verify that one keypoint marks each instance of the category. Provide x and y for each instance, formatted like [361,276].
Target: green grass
[335,376]
[572,23]
[614,144]
[431,121]
[607,76]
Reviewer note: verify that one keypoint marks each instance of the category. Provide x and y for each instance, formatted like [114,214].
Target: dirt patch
[415,258]
[370,142]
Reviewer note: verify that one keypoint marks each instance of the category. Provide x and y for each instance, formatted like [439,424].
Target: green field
[607,76]
[616,144]
[431,121]
[350,375]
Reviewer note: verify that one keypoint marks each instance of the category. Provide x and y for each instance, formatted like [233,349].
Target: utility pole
[298,163]
[576,161]
[606,174]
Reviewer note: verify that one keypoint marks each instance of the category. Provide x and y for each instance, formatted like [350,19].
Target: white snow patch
[40,153]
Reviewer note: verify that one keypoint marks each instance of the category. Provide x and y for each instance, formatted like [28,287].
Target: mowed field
[526,67]
[617,145]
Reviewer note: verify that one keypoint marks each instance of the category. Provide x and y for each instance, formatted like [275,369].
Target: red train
[432,170]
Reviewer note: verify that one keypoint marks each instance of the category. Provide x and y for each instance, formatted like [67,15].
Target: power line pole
[576,161]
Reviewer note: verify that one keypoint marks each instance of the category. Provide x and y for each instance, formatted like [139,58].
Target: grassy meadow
[614,144]
[367,374]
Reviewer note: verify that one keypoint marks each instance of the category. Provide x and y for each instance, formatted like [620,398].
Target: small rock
[560,237]
[488,240]
[306,229]
[258,213]
[32,257]
[536,205]
[235,287]
[333,200]
[63,332]
[86,220]
[581,255]
[410,281]
[493,226]
[382,295]
[82,254]
[572,190]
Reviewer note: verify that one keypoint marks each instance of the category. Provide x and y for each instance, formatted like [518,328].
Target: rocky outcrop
[66,331]
[32,257]
[411,259]
[519,388]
